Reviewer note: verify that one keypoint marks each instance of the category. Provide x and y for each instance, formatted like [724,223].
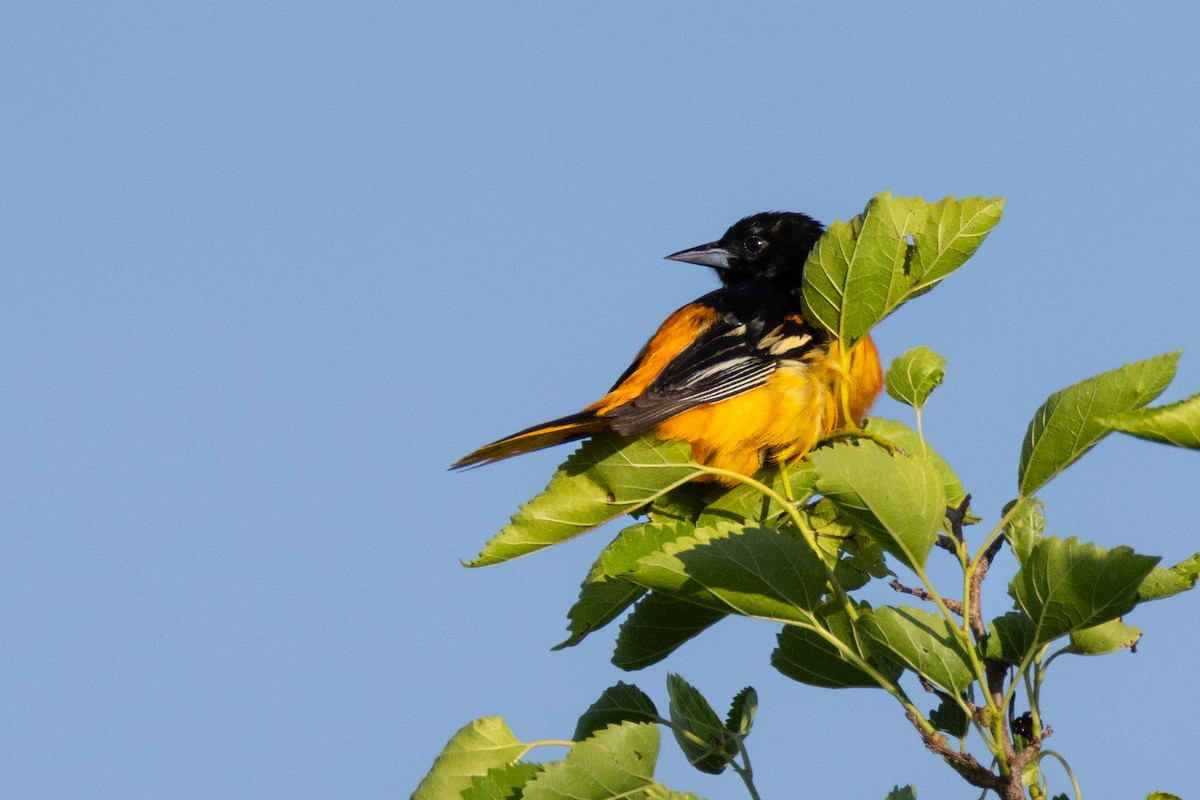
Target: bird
[738,374]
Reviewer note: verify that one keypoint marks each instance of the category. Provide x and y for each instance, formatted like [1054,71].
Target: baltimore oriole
[738,373]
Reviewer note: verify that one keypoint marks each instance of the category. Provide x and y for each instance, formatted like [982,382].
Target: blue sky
[269,268]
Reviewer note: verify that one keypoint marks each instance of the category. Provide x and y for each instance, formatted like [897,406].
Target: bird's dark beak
[708,255]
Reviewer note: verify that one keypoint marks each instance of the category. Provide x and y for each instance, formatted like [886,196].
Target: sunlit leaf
[952,232]
[1107,637]
[913,375]
[614,763]
[501,783]
[1065,585]
[1177,423]
[899,499]
[1066,425]
[1166,581]
[1025,525]
[906,439]
[477,747]
[922,641]
[608,476]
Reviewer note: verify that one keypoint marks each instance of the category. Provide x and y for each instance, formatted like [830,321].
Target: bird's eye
[754,245]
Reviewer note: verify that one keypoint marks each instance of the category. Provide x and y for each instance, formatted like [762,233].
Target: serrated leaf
[657,626]
[902,793]
[1065,585]
[913,375]
[1066,426]
[1176,423]
[616,762]
[857,272]
[1166,581]
[502,783]
[952,232]
[603,596]
[949,718]
[1025,526]
[920,640]
[620,703]
[741,712]
[477,747]
[909,441]
[1107,637]
[755,572]
[608,476]
[743,503]
[805,656]
[1010,638]
[898,499]
[705,741]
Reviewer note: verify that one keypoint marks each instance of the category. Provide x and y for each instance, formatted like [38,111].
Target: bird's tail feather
[547,434]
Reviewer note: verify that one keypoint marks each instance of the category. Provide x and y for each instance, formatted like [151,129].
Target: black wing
[733,356]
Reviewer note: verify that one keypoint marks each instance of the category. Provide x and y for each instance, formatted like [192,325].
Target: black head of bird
[770,245]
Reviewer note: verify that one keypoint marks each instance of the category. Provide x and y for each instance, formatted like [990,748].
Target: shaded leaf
[705,741]
[913,375]
[1166,581]
[949,718]
[743,503]
[1107,637]
[1025,526]
[805,656]
[1065,585]
[920,640]
[657,626]
[741,712]
[502,783]
[616,762]
[902,793]
[616,704]
[477,747]
[1176,423]
[1010,638]
[898,499]
[608,476]
[1066,425]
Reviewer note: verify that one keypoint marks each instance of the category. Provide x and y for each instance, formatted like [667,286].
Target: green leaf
[1163,796]
[755,572]
[658,625]
[1177,423]
[898,499]
[806,656]
[617,762]
[705,741]
[952,232]
[742,711]
[603,595]
[1025,526]
[620,703]
[1164,582]
[912,376]
[744,503]
[608,476]
[857,272]
[902,793]
[1107,637]
[501,783]
[1065,585]
[922,641]
[1066,425]
[482,745]
[909,441]
[950,718]
[1010,638]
